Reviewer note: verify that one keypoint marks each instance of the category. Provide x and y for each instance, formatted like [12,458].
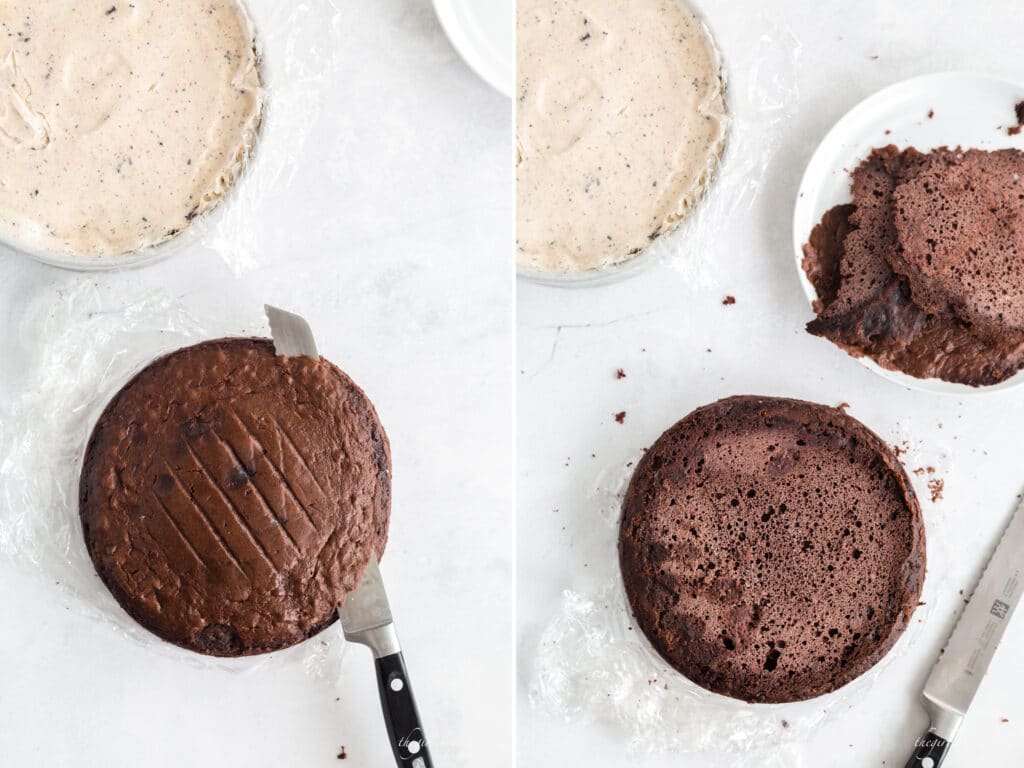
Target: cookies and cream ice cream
[120,123]
[620,124]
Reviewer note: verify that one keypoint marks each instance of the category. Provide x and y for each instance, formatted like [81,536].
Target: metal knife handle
[400,715]
[929,752]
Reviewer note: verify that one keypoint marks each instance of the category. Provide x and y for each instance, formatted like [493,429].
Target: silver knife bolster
[382,640]
[945,720]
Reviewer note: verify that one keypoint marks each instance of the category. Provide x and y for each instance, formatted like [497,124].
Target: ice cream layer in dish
[120,122]
[620,124]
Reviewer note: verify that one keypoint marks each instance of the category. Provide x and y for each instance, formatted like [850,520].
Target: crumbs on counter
[342,754]
[936,486]
[729,300]
[620,374]
[785,724]
[1018,109]
[931,113]
[1004,720]
[620,417]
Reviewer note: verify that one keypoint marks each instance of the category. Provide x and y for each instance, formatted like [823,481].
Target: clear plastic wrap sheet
[94,343]
[300,49]
[759,64]
[592,664]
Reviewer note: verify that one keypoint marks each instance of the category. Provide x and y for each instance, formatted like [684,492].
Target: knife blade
[365,613]
[366,619]
[955,678]
[291,333]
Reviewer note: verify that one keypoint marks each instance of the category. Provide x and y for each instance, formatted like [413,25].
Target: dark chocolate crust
[230,499]
[772,550]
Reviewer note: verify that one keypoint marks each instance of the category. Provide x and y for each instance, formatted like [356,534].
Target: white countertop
[392,233]
[659,326]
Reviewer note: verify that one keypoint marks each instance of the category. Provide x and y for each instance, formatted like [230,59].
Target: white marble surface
[659,327]
[392,232]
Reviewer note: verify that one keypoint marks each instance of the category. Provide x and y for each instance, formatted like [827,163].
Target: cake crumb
[931,113]
[342,754]
[936,487]
[785,724]
[620,416]
[620,374]
[843,406]
[728,300]
[1018,109]
[1004,720]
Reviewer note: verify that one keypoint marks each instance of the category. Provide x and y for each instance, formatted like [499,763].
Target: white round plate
[968,110]
[484,33]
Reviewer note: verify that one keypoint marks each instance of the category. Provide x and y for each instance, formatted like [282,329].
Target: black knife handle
[400,716]
[928,748]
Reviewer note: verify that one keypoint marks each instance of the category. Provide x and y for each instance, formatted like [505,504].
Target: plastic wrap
[593,664]
[759,66]
[94,345]
[298,56]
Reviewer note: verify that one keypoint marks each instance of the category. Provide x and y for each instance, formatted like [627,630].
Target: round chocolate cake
[231,499]
[772,550]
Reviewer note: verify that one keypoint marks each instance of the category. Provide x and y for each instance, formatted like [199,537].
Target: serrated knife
[960,669]
[366,614]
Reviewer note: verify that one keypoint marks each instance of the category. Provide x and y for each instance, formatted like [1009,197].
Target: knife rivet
[397,684]
[927,762]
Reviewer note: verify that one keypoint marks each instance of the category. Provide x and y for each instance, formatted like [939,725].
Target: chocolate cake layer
[961,238]
[897,334]
[230,499]
[866,308]
[772,550]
